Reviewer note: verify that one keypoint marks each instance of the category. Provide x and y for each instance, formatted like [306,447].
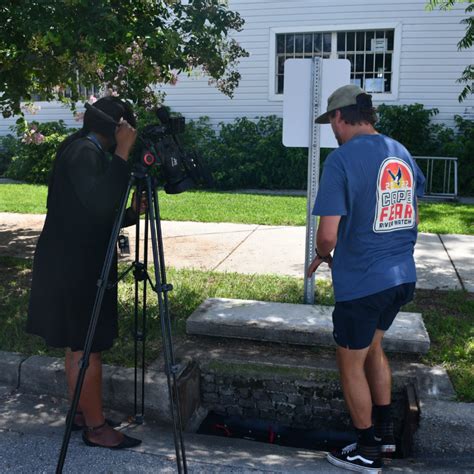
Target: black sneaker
[357,457]
[384,436]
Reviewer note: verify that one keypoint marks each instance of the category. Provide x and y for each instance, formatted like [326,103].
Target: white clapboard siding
[430,62]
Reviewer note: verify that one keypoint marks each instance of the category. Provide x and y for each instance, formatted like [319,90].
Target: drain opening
[266,431]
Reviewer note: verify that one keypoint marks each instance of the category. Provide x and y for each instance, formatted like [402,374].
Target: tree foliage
[48,48]
[466,42]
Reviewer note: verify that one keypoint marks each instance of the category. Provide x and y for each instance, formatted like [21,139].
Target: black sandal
[127,442]
[76,427]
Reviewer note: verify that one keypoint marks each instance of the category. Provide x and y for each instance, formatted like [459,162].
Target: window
[370,53]
[301,45]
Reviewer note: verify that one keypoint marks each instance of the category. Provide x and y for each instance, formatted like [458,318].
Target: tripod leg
[162,288]
[140,329]
[137,260]
[144,304]
[102,286]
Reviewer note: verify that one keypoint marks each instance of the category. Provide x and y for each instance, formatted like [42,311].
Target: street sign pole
[313,179]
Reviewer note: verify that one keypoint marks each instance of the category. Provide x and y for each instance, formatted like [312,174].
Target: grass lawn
[449,315]
[210,206]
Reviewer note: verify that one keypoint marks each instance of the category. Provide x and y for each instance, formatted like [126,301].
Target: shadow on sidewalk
[18,242]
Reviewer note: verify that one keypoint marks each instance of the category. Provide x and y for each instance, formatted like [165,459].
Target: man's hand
[125,136]
[316,262]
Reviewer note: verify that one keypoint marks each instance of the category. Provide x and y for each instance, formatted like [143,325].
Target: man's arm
[326,240]
[326,237]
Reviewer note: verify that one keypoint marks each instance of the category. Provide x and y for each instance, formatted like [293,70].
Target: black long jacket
[84,193]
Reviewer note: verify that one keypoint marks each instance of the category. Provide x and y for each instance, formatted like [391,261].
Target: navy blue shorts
[355,321]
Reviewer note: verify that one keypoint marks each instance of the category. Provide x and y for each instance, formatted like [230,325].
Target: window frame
[334,29]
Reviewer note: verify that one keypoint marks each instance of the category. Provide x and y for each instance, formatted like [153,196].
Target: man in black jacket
[85,190]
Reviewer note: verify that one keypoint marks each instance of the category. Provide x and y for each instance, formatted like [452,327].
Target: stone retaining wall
[305,399]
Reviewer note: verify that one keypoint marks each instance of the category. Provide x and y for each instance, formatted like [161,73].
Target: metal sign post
[313,180]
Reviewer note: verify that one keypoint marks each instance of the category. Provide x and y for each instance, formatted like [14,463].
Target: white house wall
[429,61]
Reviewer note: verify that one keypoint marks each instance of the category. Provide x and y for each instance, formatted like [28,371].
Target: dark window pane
[327,43]
[280,43]
[378,62]
[280,85]
[369,36]
[369,62]
[388,62]
[350,57]
[298,43]
[389,35]
[281,64]
[341,41]
[290,44]
[360,41]
[351,41]
[359,62]
[388,83]
[379,34]
[341,55]
[318,42]
[308,43]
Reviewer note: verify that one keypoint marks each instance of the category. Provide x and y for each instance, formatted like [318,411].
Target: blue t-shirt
[371,182]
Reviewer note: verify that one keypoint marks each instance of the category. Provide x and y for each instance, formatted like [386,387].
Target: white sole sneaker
[335,461]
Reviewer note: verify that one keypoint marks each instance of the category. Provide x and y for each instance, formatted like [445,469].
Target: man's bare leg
[378,373]
[355,385]
[379,376]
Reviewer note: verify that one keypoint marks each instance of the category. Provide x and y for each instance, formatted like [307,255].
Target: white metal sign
[297,99]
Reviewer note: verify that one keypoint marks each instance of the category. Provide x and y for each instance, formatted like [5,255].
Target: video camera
[158,145]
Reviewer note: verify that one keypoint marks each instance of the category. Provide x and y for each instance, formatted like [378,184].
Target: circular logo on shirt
[395,197]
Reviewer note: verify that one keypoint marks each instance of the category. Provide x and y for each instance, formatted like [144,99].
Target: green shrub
[461,144]
[248,154]
[31,162]
[412,126]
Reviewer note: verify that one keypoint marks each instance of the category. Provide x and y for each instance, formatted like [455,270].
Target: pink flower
[174,79]
[30,108]
[27,138]
[78,116]
[38,138]
[92,99]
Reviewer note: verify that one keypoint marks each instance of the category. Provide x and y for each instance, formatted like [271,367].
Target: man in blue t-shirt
[367,203]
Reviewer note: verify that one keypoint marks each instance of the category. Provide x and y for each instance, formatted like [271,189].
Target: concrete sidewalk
[443,261]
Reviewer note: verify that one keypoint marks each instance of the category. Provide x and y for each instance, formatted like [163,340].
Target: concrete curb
[45,375]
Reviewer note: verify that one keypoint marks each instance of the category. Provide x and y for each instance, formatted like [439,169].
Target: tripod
[143,183]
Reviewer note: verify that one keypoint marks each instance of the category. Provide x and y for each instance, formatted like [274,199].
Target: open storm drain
[266,431]
[321,439]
